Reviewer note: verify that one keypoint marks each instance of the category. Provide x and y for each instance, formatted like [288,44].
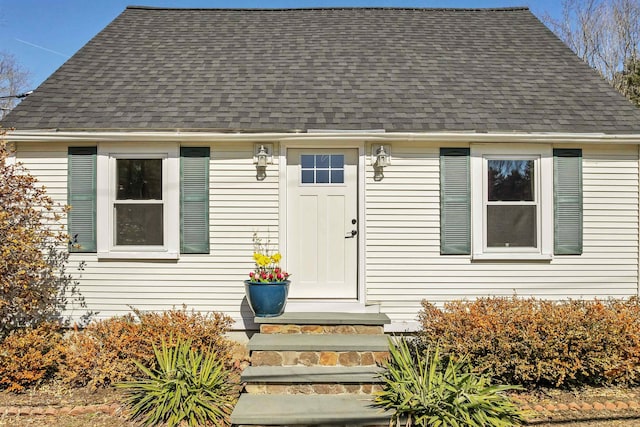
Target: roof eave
[75,137]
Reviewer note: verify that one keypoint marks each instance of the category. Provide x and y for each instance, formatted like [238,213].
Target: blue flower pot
[267,299]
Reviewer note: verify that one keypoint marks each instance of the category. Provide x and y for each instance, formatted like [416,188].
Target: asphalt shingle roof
[340,68]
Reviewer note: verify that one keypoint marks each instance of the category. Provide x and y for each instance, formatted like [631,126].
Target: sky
[43,34]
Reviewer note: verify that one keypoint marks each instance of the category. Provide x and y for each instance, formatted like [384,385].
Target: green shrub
[105,351]
[186,385]
[427,390]
[541,343]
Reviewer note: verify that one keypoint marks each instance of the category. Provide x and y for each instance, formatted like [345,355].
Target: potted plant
[268,284]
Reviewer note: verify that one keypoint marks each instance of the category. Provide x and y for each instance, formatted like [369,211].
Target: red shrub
[105,351]
[28,356]
[539,342]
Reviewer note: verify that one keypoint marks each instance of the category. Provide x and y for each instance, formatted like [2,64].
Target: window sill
[162,256]
[515,256]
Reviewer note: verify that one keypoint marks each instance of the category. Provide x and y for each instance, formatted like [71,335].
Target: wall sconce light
[382,158]
[262,156]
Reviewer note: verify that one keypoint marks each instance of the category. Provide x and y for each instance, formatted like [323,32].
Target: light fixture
[262,157]
[382,158]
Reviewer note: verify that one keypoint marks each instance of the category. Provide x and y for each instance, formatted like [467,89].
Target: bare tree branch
[603,33]
[13,81]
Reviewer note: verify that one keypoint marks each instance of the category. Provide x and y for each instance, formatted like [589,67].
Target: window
[125,202]
[512,202]
[138,206]
[322,168]
[138,201]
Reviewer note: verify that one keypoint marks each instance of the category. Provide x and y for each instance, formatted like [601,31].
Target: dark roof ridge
[276,9]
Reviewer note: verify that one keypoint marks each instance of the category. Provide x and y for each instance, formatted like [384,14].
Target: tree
[34,284]
[13,81]
[629,81]
[605,34]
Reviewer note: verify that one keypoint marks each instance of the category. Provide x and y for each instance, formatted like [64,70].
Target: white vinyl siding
[239,205]
[403,260]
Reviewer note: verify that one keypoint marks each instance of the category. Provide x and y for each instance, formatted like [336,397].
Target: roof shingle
[419,70]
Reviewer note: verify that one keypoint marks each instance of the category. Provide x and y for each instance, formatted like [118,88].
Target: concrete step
[324,318]
[327,342]
[311,374]
[255,409]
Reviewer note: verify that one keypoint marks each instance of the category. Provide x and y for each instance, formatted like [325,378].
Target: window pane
[322,161]
[307,176]
[307,161]
[511,180]
[139,179]
[337,176]
[139,224]
[322,176]
[337,161]
[511,226]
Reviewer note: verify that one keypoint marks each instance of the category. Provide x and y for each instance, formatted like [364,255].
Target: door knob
[351,235]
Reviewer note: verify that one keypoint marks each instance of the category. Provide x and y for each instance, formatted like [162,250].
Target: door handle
[351,235]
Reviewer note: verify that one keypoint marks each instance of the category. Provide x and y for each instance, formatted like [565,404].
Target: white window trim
[543,156]
[105,181]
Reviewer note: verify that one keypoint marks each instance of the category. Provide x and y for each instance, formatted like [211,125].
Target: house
[410,154]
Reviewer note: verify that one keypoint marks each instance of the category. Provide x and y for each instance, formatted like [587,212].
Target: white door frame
[358,304]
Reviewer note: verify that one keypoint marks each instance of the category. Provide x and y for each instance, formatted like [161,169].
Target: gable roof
[338,68]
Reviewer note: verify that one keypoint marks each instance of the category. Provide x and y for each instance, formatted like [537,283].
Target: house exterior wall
[402,257]
[403,260]
[239,205]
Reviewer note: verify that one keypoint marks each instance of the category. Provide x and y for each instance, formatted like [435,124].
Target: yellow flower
[276,257]
[263,260]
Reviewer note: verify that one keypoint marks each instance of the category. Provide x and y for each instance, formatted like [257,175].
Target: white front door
[322,223]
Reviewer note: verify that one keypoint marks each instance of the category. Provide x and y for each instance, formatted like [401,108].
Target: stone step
[324,318]
[311,379]
[318,358]
[365,389]
[321,329]
[327,342]
[261,409]
[311,374]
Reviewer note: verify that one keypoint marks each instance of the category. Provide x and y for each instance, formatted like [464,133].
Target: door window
[322,168]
